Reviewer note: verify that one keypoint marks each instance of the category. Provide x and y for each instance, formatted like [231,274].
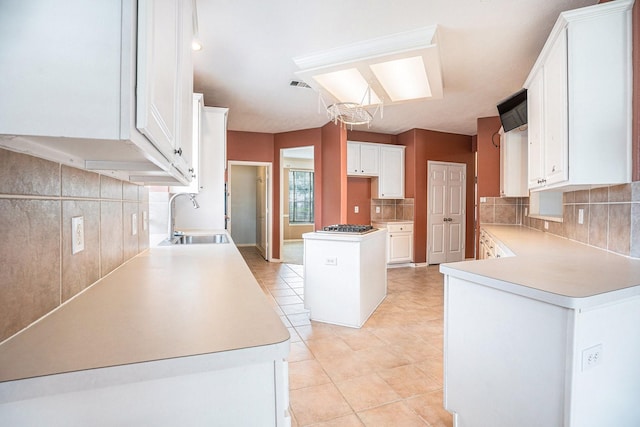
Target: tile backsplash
[401,209]
[38,198]
[610,217]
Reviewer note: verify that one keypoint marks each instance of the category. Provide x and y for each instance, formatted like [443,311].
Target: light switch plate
[77,234]
[356,209]
[580,216]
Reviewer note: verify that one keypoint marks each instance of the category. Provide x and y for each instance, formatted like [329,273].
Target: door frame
[464,203]
[269,204]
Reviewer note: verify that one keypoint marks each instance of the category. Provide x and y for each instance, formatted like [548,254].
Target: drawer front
[395,228]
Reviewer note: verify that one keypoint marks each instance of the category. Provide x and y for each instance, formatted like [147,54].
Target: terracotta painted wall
[488,157]
[334,175]
[364,136]
[359,194]
[250,146]
[422,146]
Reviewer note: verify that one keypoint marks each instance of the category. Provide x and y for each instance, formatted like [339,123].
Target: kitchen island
[179,335]
[345,276]
[546,337]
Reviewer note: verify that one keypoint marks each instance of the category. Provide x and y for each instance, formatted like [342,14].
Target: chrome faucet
[172,219]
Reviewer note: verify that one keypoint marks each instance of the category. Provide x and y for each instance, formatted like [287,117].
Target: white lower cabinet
[491,247]
[399,241]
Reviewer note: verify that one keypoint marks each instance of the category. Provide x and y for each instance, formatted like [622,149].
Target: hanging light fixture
[363,76]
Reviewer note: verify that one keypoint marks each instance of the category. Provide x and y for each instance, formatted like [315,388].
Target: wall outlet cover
[77,234]
[134,224]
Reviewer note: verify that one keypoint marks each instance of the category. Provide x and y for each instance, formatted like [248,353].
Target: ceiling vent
[297,83]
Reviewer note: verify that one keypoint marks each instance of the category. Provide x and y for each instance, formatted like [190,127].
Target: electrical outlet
[134,224]
[356,209]
[591,357]
[526,211]
[77,234]
[580,216]
[377,209]
[331,261]
[546,225]
[483,200]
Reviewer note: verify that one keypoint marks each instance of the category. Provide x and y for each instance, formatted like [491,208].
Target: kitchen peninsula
[179,335]
[546,337]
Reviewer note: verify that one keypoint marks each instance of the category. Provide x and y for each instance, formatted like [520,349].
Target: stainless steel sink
[188,239]
[211,238]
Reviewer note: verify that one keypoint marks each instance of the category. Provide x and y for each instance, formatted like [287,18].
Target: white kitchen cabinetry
[399,241]
[491,247]
[384,163]
[390,182]
[104,86]
[513,164]
[194,171]
[579,101]
[363,159]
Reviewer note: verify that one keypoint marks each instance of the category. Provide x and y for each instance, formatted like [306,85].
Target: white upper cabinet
[579,101]
[513,163]
[99,85]
[363,159]
[391,177]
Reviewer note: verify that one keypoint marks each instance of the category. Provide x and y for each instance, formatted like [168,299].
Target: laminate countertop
[552,269]
[168,302]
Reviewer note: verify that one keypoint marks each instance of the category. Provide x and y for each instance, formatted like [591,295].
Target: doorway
[249,200]
[446,189]
[296,201]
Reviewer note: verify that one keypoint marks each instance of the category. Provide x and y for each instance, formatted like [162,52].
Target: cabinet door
[159,34]
[353,158]
[400,247]
[513,164]
[185,106]
[556,143]
[391,178]
[536,131]
[369,159]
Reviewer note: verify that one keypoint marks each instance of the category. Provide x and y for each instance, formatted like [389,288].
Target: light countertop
[552,269]
[167,302]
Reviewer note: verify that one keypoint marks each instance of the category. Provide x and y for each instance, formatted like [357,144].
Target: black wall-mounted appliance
[513,110]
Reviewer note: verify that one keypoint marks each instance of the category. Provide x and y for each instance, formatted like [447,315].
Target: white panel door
[446,212]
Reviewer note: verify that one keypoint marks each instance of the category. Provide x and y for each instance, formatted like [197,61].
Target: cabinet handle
[178,151]
[553,168]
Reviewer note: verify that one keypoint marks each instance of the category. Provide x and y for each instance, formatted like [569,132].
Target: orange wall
[364,136]
[488,157]
[250,146]
[359,194]
[422,146]
[334,174]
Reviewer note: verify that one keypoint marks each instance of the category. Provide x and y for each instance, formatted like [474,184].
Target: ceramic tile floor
[387,373]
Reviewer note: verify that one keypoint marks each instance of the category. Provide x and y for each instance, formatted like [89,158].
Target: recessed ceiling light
[348,86]
[403,79]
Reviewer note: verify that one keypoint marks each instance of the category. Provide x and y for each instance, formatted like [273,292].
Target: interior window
[300,196]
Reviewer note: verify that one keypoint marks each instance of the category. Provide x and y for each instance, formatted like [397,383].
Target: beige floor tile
[367,392]
[286,300]
[318,403]
[358,339]
[299,319]
[409,381]
[294,308]
[329,347]
[283,292]
[345,366]
[396,414]
[431,409]
[348,421]
[299,352]
[433,368]
[382,358]
[306,373]
[315,331]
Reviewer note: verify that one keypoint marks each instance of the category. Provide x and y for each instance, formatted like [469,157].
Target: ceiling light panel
[403,79]
[348,86]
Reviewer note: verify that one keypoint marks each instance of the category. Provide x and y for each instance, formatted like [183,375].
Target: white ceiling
[487,48]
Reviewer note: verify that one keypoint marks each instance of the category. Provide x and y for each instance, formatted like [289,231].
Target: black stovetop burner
[348,228]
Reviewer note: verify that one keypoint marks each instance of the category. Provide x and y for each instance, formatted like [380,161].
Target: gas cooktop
[348,228]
